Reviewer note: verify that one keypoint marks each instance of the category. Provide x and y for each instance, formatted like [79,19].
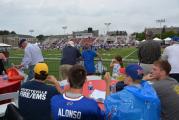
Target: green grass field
[53,57]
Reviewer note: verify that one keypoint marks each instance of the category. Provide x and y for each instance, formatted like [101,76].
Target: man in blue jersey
[88,56]
[72,105]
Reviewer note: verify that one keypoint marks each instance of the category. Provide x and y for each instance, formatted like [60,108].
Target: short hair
[64,71]
[163,65]
[42,76]
[77,76]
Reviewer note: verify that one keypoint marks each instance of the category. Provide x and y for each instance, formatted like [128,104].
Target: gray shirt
[168,92]
[149,51]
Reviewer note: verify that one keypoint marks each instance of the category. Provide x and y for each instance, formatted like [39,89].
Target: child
[116,64]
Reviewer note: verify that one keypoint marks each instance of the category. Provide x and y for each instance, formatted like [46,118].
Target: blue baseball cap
[135,71]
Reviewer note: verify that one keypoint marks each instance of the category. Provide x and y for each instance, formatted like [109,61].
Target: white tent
[167,40]
[157,39]
[143,40]
[4,45]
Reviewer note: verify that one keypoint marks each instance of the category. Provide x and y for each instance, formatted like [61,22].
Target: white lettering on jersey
[33,94]
[69,113]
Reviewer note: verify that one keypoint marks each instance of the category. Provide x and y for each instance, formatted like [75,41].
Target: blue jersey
[81,108]
[88,56]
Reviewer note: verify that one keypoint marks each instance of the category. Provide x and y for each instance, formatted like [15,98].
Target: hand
[148,77]
[52,79]
[107,77]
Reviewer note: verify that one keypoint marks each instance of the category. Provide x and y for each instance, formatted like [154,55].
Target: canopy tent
[143,40]
[168,39]
[4,45]
[157,39]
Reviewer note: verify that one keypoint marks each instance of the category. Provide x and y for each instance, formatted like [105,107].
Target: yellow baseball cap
[41,67]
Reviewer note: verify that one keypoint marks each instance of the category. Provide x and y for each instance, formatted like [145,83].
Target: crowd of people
[149,91]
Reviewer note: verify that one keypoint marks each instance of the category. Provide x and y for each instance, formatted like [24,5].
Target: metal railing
[54,63]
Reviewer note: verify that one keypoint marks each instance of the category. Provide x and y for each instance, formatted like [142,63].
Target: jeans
[31,72]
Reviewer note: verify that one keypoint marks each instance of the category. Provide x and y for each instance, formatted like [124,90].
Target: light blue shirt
[32,55]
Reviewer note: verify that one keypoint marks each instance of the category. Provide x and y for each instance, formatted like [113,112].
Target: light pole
[31,31]
[160,21]
[107,26]
[64,28]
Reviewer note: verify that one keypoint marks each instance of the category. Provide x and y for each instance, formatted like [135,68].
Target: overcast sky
[48,16]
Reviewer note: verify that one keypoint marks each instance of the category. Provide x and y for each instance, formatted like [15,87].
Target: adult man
[172,55]
[148,52]
[35,95]
[167,89]
[2,59]
[136,101]
[32,56]
[72,105]
[88,56]
[70,54]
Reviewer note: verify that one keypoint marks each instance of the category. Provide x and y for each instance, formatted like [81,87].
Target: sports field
[52,57]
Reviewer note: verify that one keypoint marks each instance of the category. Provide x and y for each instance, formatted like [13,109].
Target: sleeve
[165,54]
[54,109]
[27,57]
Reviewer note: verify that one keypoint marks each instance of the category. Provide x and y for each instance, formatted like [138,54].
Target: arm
[54,81]
[112,63]
[107,79]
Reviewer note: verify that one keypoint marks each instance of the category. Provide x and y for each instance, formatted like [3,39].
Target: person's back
[88,57]
[35,95]
[72,105]
[168,92]
[149,51]
[134,103]
[70,55]
[67,108]
[36,54]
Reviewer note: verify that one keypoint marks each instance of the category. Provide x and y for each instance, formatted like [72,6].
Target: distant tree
[13,32]
[40,38]
[140,36]
[4,32]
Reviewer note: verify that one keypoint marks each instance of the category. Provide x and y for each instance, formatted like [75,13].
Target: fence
[54,63]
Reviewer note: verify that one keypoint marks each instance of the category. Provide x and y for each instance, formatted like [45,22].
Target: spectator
[88,56]
[70,54]
[116,64]
[2,59]
[72,104]
[32,56]
[35,95]
[172,55]
[167,89]
[138,100]
[148,52]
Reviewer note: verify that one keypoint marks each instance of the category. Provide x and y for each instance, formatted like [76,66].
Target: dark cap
[21,41]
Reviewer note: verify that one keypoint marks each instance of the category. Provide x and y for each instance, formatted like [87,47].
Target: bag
[100,68]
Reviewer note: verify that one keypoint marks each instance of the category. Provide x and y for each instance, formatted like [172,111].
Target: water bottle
[4,76]
[90,87]
[113,88]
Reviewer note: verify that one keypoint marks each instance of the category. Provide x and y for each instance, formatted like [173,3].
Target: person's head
[134,74]
[86,46]
[64,71]
[118,59]
[71,43]
[22,43]
[160,69]
[41,71]
[77,76]
[148,35]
